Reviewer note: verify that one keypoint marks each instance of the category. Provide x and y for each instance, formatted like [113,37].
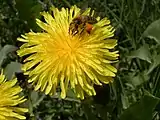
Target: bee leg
[69,31]
[81,30]
[74,32]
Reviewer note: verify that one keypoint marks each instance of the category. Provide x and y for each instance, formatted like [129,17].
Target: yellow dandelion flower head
[9,99]
[56,57]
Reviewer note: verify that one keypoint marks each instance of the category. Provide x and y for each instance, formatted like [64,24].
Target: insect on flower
[82,23]
[56,59]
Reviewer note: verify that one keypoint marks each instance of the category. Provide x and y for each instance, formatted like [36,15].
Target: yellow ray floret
[9,99]
[55,57]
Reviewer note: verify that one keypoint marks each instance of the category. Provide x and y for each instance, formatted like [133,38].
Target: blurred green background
[135,92]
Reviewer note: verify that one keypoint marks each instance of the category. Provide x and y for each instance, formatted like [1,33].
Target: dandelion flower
[9,99]
[57,58]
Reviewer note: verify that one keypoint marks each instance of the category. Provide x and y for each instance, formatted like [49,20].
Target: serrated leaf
[141,110]
[153,31]
[12,68]
[4,52]
[142,53]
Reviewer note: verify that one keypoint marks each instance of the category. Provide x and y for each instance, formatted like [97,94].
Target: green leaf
[88,110]
[137,80]
[4,52]
[102,111]
[141,110]
[155,63]
[142,53]
[28,11]
[71,96]
[34,96]
[125,101]
[12,68]
[153,31]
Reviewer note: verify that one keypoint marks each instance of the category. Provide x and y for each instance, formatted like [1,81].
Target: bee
[82,23]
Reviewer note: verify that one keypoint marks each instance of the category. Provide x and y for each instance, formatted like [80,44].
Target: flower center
[68,47]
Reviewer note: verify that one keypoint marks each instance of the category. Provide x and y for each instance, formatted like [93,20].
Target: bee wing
[84,5]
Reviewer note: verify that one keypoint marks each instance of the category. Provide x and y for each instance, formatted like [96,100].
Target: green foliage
[141,110]
[28,11]
[142,53]
[152,31]
[137,26]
